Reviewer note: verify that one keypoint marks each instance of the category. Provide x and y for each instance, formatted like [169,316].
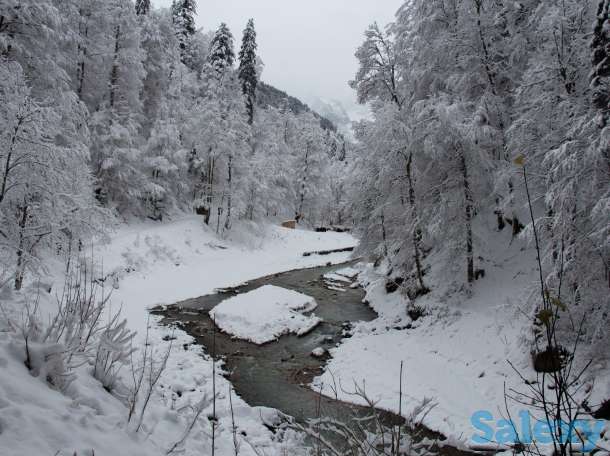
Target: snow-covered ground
[180,260]
[264,314]
[150,264]
[458,355]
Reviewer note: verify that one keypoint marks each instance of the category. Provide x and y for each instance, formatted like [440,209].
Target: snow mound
[265,314]
[36,418]
[318,352]
[348,272]
[336,278]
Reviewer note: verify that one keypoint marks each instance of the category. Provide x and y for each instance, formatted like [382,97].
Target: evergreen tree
[222,54]
[247,68]
[142,7]
[183,13]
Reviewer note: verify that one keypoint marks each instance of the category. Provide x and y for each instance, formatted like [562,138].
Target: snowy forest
[462,228]
[472,99]
[116,110]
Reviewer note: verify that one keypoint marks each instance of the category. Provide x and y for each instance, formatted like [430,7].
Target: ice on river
[265,314]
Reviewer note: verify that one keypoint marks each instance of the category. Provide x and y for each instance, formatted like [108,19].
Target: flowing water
[276,374]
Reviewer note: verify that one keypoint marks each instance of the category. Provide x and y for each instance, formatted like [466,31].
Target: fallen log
[328,252]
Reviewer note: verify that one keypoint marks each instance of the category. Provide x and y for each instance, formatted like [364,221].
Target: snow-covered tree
[183,13]
[308,164]
[221,56]
[115,124]
[377,75]
[142,7]
[161,64]
[45,186]
[248,68]
[458,91]
[218,134]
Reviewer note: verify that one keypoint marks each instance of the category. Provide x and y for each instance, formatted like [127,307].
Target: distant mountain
[342,113]
[334,111]
[267,95]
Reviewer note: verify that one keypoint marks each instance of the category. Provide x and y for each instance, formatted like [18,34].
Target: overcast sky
[307,46]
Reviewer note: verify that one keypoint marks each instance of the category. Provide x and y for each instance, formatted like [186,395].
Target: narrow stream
[276,375]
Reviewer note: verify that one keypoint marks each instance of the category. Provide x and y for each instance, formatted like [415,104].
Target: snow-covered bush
[370,432]
[44,359]
[113,350]
[81,331]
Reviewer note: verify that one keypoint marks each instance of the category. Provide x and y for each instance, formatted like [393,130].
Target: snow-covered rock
[265,314]
[318,352]
[349,272]
[333,277]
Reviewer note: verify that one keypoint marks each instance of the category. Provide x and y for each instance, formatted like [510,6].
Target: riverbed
[278,374]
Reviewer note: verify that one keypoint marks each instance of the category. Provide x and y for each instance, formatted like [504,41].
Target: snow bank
[348,272]
[171,262]
[265,314]
[457,355]
[36,419]
[148,264]
[333,277]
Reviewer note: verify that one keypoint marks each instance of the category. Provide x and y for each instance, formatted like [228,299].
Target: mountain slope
[267,95]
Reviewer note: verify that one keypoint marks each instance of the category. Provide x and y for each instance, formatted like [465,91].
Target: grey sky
[307,46]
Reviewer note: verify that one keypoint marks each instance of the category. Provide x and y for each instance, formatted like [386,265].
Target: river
[277,374]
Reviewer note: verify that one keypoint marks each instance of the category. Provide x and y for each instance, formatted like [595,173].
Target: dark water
[276,374]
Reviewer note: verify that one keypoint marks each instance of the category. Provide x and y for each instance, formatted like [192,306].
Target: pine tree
[247,68]
[222,54]
[183,13]
[142,7]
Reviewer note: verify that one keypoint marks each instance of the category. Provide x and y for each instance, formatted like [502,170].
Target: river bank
[279,374]
[146,264]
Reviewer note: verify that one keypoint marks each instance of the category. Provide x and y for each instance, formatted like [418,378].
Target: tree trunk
[9,156]
[210,189]
[468,220]
[384,237]
[517,225]
[83,51]
[491,77]
[500,215]
[416,232]
[286,132]
[4,26]
[20,268]
[299,214]
[229,195]
[486,58]
[250,102]
[114,74]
